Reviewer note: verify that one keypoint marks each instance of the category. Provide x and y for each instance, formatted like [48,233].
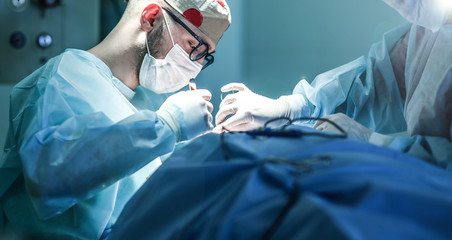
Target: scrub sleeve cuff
[297,106]
[166,117]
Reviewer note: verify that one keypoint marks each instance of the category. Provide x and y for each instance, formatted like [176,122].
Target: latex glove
[248,110]
[350,126]
[188,113]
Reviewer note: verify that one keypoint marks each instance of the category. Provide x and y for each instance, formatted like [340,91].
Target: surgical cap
[212,17]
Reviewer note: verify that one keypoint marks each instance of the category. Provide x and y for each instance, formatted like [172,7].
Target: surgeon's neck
[120,52]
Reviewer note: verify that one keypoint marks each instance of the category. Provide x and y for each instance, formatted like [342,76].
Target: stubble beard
[155,42]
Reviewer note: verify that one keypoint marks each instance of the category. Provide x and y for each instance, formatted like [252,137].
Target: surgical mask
[170,74]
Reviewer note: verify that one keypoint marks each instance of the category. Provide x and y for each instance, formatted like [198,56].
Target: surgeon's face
[160,38]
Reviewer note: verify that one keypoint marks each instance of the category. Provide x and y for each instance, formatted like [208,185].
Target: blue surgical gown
[402,90]
[80,143]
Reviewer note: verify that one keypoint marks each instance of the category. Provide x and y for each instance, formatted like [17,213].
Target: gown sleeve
[375,91]
[77,135]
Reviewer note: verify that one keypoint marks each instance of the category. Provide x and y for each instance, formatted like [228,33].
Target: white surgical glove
[250,111]
[350,126]
[188,113]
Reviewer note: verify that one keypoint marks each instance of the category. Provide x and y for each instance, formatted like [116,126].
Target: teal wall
[286,41]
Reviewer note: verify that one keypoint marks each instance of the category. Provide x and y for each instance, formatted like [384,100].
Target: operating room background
[270,45]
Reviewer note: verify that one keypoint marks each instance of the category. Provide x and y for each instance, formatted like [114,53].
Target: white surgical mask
[170,74]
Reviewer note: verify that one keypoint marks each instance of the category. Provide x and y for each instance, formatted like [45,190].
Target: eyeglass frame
[209,58]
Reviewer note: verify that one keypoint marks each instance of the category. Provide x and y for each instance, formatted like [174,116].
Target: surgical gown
[77,149]
[403,90]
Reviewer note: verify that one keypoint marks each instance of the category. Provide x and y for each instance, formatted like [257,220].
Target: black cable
[291,121]
[224,147]
[322,119]
[300,166]
[278,119]
[278,221]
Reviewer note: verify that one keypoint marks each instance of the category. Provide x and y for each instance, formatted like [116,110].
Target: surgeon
[400,96]
[83,136]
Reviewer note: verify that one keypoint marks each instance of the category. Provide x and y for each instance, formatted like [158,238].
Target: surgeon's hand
[350,126]
[188,113]
[248,110]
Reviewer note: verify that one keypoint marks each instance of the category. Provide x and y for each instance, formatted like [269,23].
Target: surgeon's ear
[149,15]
